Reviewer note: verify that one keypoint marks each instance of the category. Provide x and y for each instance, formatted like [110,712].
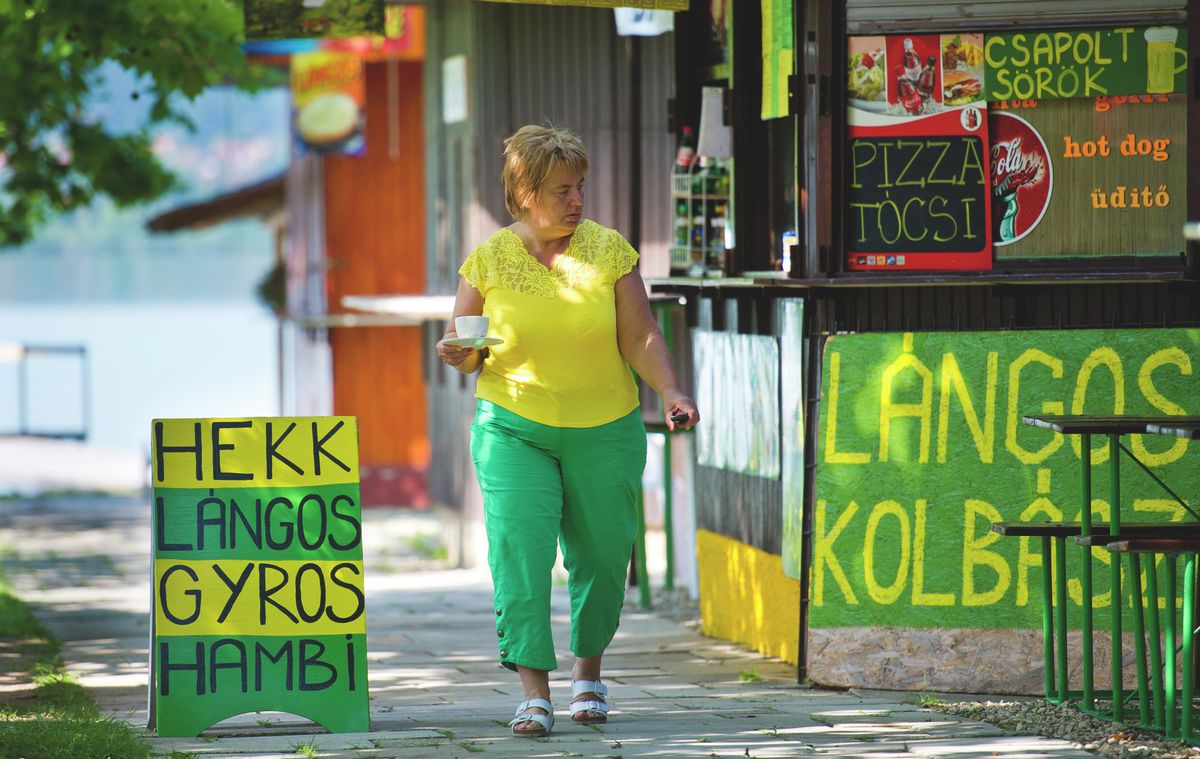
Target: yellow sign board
[278,453]
[238,597]
[258,599]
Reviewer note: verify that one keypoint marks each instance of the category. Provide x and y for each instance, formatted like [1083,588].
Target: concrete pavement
[436,689]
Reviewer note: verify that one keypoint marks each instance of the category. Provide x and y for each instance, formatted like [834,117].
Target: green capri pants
[542,485]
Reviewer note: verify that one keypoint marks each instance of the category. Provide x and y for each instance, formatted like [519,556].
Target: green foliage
[270,19]
[353,17]
[426,546]
[17,621]
[749,676]
[929,700]
[272,289]
[52,157]
[68,735]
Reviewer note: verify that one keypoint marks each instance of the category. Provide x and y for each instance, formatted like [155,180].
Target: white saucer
[472,342]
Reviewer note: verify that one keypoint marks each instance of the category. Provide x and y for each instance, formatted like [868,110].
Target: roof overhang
[265,200]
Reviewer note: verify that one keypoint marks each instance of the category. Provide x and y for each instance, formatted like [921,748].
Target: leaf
[53,52]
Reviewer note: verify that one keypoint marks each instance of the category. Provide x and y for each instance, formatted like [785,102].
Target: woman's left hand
[676,407]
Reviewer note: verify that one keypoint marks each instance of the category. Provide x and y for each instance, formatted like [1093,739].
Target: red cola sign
[1021,176]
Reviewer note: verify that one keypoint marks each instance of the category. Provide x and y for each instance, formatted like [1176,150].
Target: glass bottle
[911,61]
[685,151]
[925,85]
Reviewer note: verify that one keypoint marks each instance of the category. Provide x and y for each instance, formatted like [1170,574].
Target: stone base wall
[953,660]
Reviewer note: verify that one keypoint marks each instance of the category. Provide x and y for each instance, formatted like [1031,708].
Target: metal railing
[21,356]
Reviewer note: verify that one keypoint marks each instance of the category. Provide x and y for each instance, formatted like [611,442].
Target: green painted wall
[921,448]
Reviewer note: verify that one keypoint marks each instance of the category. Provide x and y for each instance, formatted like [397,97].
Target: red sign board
[919,156]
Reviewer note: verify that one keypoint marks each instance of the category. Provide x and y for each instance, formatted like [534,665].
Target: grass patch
[748,676]
[308,749]
[427,547]
[929,700]
[57,719]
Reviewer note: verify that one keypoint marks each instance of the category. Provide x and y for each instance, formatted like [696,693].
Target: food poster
[918,177]
[403,39]
[328,100]
[962,68]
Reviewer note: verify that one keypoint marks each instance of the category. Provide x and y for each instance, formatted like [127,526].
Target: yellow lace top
[559,363]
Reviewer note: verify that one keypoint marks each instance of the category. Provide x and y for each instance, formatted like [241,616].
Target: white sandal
[578,688]
[545,720]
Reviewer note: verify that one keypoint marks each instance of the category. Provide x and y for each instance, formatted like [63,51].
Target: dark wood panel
[450,398]
[1006,307]
[451,409]
[740,506]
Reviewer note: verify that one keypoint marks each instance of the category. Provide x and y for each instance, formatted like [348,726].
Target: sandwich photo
[960,86]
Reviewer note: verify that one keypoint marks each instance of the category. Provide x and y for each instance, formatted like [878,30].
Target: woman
[558,440]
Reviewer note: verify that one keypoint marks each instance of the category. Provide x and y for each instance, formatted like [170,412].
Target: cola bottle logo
[1020,175]
[1013,168]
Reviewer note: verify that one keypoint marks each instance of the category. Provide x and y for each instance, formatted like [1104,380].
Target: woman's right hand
[452,355]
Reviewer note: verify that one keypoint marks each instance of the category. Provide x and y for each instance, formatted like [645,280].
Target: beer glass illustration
[1160,58]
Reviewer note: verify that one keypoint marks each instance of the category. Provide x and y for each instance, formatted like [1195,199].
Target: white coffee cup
[471,326]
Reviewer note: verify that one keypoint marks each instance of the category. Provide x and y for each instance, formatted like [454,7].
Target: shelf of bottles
[700,197]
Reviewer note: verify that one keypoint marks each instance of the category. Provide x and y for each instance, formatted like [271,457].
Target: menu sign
[1086,63]
[258,601]
[1084,179]
[918,154]
[1035,144]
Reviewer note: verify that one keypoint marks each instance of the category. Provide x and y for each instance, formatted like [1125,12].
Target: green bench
[1054,618]
[1054,621]
[1166,698]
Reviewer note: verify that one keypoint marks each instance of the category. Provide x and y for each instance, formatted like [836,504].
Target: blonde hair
[530,154]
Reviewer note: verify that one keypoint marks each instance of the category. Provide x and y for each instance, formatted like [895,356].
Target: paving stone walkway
[436,689]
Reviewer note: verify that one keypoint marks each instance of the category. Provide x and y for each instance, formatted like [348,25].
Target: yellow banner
[278,452]
[231,597]
[661,5]
[776,56]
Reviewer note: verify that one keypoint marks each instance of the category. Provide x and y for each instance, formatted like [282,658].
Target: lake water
[144,360]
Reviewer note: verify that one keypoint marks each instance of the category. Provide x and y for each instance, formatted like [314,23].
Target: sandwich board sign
[258,600]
